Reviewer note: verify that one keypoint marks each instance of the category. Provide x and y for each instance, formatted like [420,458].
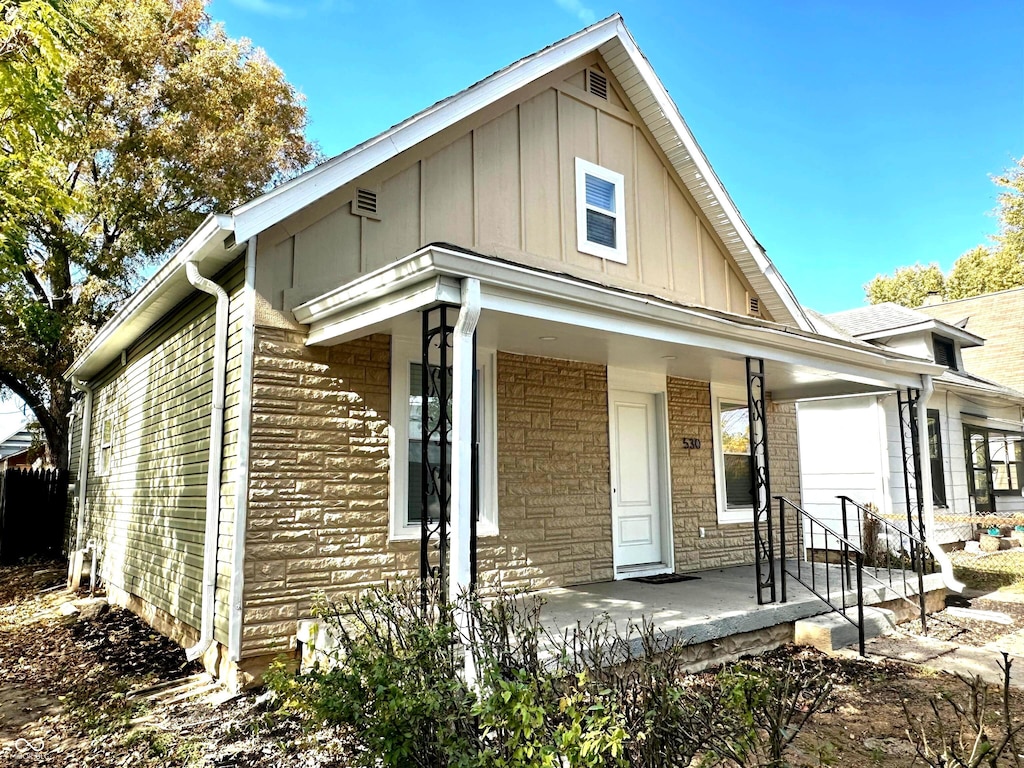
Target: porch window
[600,211]
[407,444]
[935,457]
[1007,459]
[732,460]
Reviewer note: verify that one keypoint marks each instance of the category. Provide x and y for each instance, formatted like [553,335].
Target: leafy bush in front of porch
[596,697]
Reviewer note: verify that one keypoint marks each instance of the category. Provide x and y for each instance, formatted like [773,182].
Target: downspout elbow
[214,463]
[928,499]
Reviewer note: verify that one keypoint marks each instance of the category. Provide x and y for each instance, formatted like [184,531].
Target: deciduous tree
[162,118]
[982,269]
[907,286]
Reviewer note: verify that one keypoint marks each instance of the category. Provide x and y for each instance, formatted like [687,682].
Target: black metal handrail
[912,550]
[847,551]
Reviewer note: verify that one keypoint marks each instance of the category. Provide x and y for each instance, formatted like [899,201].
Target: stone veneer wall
[318,498]
[554,492]
[693,478]
[318,488]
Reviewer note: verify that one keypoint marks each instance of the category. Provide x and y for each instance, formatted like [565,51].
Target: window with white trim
[106,447]
[407,446]
[600,211]
[733,481]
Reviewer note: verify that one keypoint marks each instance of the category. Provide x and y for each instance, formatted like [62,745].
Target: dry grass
[996,570]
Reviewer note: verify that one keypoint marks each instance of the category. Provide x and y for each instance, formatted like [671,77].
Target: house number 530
[691,443]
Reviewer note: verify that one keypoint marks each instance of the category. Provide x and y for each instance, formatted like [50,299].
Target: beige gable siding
[506,186]
[147,510]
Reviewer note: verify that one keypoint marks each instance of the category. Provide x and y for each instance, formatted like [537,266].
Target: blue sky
[854,136]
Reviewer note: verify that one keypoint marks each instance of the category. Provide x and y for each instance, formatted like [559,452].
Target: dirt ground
[100,688]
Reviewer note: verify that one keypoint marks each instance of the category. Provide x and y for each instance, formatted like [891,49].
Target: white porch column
[928,497]
[462,454]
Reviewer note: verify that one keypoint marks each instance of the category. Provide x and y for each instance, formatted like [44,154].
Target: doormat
[665,578]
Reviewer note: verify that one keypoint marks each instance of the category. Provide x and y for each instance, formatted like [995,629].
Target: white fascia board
[519,290]
[161,292]
[675,118]
[351,323]
[291,197]
[548,290]
[991,395]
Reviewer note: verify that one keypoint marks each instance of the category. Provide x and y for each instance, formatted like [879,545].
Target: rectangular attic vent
[597,84]
[753,306]
[364,203]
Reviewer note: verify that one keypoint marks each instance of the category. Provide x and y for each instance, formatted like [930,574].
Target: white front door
[636,481]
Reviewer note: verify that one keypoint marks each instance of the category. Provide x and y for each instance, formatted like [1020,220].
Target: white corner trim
[237,588]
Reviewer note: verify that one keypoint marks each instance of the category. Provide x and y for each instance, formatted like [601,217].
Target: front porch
[716,611]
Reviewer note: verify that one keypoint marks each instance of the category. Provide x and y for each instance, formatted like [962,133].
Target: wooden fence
[33,505]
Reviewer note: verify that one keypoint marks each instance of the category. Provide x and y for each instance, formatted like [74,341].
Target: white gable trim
[291,197]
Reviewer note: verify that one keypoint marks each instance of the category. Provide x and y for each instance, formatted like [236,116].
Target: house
[999,319]
[16,450]
[508,338]
[854,445]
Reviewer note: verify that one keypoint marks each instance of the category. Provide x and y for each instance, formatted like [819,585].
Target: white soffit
[611,38]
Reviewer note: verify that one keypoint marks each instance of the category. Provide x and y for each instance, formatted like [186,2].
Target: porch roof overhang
[686,341]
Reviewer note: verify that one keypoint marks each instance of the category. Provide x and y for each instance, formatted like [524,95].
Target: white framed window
[106,447]
[600,211]
[733,482]
[406,441]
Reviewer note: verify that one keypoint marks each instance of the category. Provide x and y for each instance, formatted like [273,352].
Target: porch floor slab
[718,603]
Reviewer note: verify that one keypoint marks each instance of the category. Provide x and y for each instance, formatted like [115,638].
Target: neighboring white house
[852,445]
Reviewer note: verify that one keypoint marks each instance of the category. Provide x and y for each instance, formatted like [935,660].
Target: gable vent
[597,84]
[753,306]
[365,204]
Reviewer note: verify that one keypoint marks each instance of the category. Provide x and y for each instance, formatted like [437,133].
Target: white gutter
[462,460]
[928,500]
[242,476]
[83,458]
[213,476]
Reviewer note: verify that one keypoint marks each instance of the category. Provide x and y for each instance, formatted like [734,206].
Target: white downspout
[462,455]
[83,458]
[927,388]
[213,476]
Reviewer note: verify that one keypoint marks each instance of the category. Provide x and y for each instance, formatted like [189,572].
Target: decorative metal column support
[910,443]
[441,332]
[764,543]
[435,442]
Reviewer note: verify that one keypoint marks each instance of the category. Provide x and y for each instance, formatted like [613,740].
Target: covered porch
[489,483]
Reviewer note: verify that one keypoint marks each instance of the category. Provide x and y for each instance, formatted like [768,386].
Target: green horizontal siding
[149,510]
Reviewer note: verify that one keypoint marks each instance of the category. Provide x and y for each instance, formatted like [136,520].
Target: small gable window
[600,212]
[945,352]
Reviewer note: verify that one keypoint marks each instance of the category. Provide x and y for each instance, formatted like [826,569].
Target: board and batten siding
[502,183]
[147,510]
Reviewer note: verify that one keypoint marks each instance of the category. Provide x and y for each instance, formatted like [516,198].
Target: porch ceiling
[549,315]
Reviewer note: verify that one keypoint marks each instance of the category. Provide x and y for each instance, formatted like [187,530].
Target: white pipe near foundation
[213,477]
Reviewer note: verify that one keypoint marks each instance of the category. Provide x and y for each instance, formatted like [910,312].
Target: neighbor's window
[732,460]
[408,446]
[600,211]
[935,457]
[1007,460]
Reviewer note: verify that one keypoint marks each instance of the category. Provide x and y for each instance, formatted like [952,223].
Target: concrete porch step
[830,631]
